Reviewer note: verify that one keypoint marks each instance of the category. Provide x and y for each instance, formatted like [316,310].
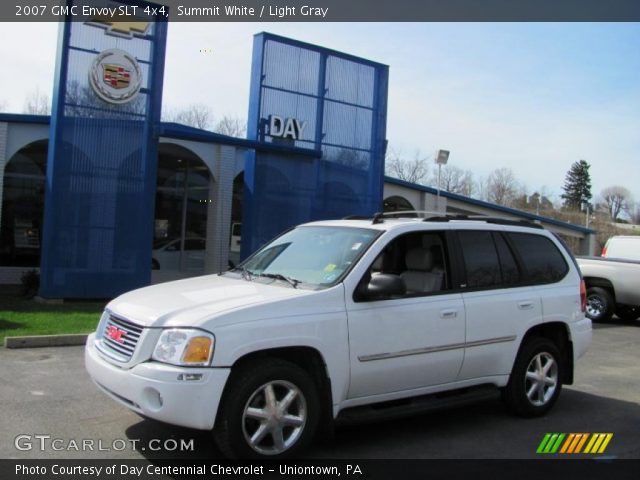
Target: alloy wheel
[274,417]
[541,379]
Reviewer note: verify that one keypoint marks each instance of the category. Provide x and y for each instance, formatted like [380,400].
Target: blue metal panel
[101,171]
[342,100]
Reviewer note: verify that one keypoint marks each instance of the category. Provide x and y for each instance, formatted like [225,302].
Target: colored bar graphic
[543,443]
[566,445]
[550,443]
[598,442]
[581,442]
[553,443]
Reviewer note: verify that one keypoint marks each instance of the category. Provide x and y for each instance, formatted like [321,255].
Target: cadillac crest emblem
[115,76]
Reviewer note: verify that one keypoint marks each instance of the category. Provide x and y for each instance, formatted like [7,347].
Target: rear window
[541,258]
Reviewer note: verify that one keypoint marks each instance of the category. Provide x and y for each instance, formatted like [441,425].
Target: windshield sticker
[330,267]
[330,277]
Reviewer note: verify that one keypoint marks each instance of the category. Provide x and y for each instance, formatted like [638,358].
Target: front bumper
[163,392]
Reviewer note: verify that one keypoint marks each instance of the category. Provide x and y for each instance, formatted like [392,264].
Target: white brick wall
[4,129]
[219,214]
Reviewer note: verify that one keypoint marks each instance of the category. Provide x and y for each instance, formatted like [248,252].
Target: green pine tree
[577,186]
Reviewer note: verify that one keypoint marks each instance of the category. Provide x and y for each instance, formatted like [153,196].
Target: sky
[533,97]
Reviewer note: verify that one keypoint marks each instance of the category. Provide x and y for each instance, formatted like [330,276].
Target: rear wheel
[535,381]
[600,304]
[270,410]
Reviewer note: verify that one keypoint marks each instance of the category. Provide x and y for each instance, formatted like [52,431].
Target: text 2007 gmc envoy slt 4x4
[333,316]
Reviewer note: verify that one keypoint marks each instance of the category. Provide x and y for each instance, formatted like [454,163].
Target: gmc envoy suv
[334,318]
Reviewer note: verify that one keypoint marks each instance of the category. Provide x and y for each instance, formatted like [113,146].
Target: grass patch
[20,316]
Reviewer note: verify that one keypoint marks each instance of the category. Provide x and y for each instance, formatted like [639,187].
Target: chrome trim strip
[490,341]
[441,348]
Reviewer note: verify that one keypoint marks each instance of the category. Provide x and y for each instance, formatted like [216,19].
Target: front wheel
[535,381]
[270,410]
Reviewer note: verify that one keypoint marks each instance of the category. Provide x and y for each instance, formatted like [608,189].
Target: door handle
[451,313]
[525,305]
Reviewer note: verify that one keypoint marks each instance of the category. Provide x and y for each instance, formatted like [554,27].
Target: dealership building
[102,197]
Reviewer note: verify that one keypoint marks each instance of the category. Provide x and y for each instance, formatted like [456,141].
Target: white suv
[334,316]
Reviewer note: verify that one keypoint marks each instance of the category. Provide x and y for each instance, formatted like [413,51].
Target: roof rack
[430,216]
[380,216]
[482,218]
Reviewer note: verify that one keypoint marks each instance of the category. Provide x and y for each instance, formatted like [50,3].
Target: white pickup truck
[613,280]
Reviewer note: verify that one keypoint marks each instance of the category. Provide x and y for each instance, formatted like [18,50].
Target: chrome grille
[122,342]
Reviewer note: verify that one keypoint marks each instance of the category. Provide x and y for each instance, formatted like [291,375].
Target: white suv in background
[332,317]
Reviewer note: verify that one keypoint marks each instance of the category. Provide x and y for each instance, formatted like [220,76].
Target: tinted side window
[510,271]
[542,260]
[480,258]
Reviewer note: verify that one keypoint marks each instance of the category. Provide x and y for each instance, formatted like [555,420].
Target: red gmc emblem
[116,334]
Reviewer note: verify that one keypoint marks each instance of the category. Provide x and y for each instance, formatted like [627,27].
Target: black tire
[248,389]
[628,314]
[154,264]
[600,305]
[521,395]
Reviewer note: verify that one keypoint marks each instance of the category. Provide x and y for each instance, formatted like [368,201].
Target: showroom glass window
[23,206]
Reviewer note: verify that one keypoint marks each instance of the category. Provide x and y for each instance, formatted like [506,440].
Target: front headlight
[185,347]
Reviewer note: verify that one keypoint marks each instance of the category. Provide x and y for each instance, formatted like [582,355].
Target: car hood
[189,302]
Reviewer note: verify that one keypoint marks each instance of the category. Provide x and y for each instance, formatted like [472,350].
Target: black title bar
[334,11]
[582,469]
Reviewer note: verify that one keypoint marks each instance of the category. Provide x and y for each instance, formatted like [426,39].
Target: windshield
[313,257]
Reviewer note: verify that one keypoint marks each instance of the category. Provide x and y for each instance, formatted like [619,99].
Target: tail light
[604,251]
[583,296]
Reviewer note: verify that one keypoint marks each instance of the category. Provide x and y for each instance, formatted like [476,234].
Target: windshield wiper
[278,276]
[245,272]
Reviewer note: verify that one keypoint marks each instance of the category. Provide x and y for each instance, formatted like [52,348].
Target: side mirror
[384,285]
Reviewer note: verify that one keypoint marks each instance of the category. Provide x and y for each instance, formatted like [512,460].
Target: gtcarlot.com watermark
[49,443]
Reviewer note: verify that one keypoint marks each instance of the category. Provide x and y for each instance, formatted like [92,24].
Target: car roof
[441,222]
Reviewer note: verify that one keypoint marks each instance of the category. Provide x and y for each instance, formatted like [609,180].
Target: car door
[410,341]
[498,307]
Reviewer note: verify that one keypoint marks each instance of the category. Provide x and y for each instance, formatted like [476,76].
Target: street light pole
[586,221]
[442,157]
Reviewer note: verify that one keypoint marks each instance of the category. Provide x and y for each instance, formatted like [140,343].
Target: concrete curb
[45,341]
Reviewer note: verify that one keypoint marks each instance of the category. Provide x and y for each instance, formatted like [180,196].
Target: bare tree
[349,158]
[502,187]
[635,214]
[232,126]
[195,115]
[81,101]
[455,180]
[37,103]
[616,199]
[413,170]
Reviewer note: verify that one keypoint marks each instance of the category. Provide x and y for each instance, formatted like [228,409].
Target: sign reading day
[307,98]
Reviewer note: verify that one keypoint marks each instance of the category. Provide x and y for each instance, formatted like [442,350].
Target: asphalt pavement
[49,401]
